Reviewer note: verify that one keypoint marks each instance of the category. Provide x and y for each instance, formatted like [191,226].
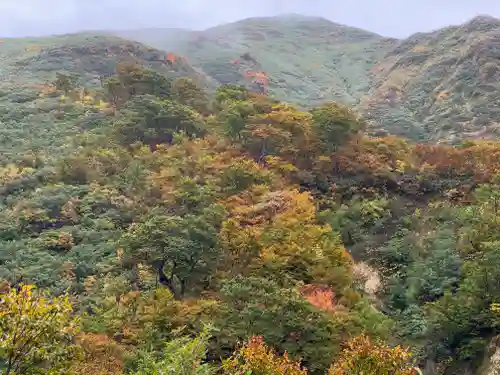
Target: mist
[386,17]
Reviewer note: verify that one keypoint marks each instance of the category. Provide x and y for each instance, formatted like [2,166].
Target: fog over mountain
[387,17]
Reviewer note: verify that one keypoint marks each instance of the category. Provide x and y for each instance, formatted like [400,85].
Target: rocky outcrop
[491,365]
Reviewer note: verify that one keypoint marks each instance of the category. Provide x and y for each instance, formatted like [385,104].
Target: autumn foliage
[320,296]
[249,215]
[256,358]
[363,356]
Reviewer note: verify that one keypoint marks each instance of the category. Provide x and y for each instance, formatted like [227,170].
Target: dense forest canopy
[183,232]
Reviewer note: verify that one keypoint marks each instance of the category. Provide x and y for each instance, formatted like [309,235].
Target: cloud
[387,17]
[35,16]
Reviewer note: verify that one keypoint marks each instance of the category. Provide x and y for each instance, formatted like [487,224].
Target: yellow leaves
[278,230]
[11,172]
[256,357]
[401,166]
[33,48]
[284,132]
[362,356]
[35,327]
[103,106]
[495,307]
[102,356]
[240,247]
[278,164]
[260,209]
[300,209]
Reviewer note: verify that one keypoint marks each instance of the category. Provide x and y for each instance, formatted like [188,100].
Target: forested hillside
[437,86]
[169,229]
[35,118]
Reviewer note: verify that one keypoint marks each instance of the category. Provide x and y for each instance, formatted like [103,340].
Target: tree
[283,131]
[182,356]
[66,82]
[234,118]
[363,356]
[36,332]
[188,93]
[227,93]
[153,121]
[292,246]
[256,358]
[285,320]
[334,124]
[181,249]
[131,80]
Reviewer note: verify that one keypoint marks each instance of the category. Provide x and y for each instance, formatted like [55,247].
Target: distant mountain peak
[484,18]
[482,22]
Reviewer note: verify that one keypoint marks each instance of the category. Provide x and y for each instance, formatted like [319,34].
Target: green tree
[182,249]
[66,82]
[286,321]
[182,356]
[188,93]
[234,118]
[227,93]
[154,121]
[131,80]
[36,332]
[334,124]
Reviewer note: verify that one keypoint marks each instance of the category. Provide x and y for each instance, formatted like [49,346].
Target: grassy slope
[437,86]
[28,119]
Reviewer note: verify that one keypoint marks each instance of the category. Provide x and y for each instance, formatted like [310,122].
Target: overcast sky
[397,18]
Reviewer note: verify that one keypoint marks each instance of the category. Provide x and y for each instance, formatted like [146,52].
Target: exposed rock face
[368,277]
[491,365]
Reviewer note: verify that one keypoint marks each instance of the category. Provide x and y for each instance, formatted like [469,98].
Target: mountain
[180,225]
[436,86]
[443,84]
[28,68]
[433,86]
[308,59]
[89,55]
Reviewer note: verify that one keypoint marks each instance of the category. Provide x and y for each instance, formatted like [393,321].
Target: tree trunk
[168,281]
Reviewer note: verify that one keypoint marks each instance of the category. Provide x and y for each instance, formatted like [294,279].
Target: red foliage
[320,296]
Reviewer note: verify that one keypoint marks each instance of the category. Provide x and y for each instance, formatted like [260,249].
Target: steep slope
[29,66]
[443,85]
[308,59]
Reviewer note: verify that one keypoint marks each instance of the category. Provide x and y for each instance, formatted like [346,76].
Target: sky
[395,18]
